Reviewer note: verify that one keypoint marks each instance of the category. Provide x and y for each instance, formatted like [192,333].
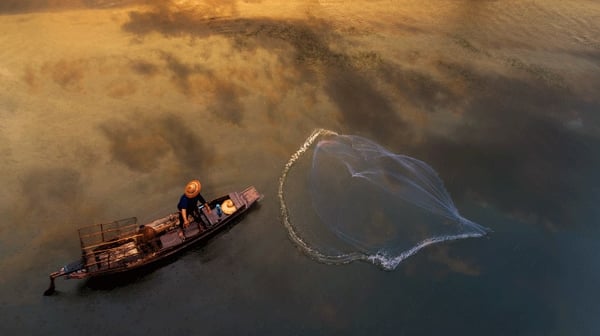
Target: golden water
[107,108]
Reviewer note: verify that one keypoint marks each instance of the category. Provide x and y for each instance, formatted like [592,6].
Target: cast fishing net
[355,200]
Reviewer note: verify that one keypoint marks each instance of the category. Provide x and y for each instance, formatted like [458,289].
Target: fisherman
[188,204]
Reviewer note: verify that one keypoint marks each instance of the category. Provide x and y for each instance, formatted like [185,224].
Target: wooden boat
[123,245]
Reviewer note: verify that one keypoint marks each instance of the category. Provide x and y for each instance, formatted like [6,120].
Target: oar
[53,276]
[67,269]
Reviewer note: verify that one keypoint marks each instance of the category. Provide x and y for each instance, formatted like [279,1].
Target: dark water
[107,108]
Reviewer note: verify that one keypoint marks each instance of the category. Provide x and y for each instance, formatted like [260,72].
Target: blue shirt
[190,204]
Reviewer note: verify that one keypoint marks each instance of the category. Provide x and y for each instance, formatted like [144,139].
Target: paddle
[53,276]
[67,269]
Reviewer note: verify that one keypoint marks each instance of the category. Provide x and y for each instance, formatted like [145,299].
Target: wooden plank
[211,216]
[251,195]
[191,230]
[135,237]
[237,201]
[170,239]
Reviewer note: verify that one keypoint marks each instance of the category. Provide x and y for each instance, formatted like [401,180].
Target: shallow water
[107,108]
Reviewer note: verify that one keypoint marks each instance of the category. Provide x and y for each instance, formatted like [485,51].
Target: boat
[123,245]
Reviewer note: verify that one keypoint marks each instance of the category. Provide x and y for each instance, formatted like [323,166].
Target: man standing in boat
[188,204]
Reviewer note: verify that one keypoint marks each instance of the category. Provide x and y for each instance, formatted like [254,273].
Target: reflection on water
[108,107]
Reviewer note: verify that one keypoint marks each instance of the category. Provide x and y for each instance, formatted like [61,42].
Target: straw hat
[192,189]
[228,207]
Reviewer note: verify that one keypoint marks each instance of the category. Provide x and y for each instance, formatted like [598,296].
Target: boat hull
[106,251]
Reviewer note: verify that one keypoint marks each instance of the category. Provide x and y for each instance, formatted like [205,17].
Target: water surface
[107,108]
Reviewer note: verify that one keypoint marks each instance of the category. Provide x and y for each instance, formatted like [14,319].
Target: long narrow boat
[123,245]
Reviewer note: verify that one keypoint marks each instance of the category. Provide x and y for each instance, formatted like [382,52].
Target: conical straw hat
[192,189]
[228,207]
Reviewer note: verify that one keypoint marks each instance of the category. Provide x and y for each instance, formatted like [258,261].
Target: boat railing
[98,234]
[110,245]
[117,253]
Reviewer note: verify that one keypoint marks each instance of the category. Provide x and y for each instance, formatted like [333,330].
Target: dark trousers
[195,214]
